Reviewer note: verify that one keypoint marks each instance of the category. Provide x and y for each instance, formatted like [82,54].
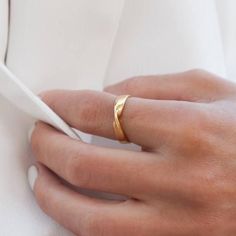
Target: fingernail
[30,132]
[32,176]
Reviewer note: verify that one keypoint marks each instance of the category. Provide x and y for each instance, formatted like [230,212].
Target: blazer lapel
[3,28]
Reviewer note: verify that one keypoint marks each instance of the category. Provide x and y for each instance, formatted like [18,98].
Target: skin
[183,182]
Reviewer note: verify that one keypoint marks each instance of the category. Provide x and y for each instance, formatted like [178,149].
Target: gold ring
[118,110]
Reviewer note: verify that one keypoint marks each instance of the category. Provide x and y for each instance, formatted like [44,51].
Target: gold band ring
[118,110]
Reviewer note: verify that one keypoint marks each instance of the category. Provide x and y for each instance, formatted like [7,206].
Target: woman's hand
[182,183]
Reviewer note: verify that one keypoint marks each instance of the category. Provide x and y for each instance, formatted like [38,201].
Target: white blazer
[88,44]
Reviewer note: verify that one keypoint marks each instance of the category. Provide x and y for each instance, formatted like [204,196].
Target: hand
[182,183]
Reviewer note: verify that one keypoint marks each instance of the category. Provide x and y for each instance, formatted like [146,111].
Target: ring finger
[147,123]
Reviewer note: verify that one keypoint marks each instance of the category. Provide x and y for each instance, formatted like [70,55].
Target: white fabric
[3,27]
[87,44]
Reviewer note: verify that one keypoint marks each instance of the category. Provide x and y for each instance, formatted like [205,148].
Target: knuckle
[201,77]
[192,141]
[77,170]
[89,111]
[47,97]
[130,84]
[35,140]
[198,72]
[42,196]
[196,130]
[39,144]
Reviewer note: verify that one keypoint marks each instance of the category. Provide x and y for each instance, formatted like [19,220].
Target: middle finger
[87,166]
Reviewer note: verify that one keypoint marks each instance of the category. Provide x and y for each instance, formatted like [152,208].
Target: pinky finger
[87,216]
[74,211]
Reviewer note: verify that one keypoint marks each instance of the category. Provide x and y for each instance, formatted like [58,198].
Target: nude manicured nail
[32,176]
